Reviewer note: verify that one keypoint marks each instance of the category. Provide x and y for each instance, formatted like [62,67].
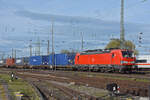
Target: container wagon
[63,61]
[39,61]
[22,62]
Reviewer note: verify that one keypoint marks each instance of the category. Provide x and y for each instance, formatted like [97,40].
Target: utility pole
[53,58]
[48,47]
[35,51]
[38,46]
[122,30]
[15,54]
[12,53]
[52,39]
[30,46]
[82,41]
[3,54]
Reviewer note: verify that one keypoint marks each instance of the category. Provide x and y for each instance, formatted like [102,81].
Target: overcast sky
[25,20]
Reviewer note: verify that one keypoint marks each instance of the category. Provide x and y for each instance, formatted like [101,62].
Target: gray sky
[25,20]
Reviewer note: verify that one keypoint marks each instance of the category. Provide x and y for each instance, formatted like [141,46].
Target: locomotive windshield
[127,53]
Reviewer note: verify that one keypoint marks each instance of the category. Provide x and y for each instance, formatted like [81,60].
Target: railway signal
[140,39]
[113,88]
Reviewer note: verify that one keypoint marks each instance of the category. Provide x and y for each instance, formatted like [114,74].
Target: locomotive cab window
[78,58]
[127,54]
[113,55]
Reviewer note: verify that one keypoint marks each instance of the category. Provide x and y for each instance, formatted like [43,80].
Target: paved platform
[4,93]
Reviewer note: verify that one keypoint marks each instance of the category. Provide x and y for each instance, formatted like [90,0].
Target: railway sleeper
[75,95]
[137,92]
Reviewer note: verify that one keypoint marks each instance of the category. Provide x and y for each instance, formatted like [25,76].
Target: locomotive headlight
[124,62]
[132,62]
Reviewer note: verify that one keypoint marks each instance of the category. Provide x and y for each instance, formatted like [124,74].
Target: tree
[116,43]
[144,0]
[67,51]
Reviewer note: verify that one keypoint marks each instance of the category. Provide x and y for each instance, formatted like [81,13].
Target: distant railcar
[2,62]
[10,62]
[106,60]
[143,61]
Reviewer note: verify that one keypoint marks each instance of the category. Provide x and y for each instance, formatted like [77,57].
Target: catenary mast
[122,30]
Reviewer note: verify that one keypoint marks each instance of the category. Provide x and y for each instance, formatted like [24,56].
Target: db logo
[93,59]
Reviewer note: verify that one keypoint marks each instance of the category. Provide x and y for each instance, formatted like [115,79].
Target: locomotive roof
[99,51]
[96,51]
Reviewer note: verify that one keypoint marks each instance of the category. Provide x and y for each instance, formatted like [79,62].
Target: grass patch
[2,94]
[19,85]
[89,90]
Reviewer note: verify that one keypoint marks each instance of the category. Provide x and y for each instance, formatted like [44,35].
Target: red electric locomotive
[10,62]
[105,60]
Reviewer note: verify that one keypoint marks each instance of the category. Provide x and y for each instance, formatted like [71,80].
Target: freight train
[112,60]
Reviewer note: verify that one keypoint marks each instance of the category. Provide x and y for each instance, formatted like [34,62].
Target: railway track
[46,92]
[126,86]
[142,75]
[69,94]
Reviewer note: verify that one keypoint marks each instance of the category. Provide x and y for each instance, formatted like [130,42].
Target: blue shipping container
[45,60]
[52,59]
[64,59]
[61,59]
[71,58]
[35,60]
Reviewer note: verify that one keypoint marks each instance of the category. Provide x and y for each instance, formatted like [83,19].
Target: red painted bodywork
[114,57]
[10,61]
